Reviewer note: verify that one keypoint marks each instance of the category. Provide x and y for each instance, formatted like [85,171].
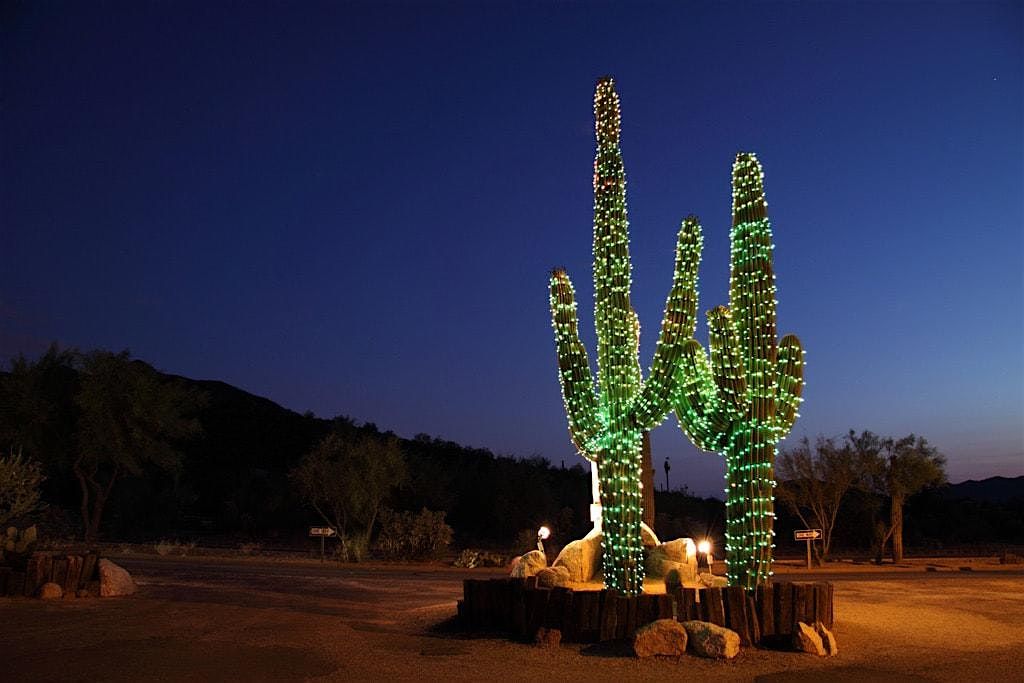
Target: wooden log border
[72,572]
[518,607]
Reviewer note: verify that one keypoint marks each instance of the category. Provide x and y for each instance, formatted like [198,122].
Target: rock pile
[815,640]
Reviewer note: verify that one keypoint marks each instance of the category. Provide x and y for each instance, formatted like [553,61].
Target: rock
[656,564]
[582,558]
[710,640]
[547,637]
[84,593]
[677,554]
[681,550]
[550,577]
[647,536]
[661,637]
[527,564]
[828,639]
[680,575]
[806,639]
[51,591]
[114,580]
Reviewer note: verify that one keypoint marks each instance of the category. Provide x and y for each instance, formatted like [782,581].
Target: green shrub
[19,487]
[405,536]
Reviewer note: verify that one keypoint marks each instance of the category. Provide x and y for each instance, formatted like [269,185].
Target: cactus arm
[727,363]
[696,400]
[574,373]
[677,327]
[790,384]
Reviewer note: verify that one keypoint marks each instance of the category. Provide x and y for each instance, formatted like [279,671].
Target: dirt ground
[202,619]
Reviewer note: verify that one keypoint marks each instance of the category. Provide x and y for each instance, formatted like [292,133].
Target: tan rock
[662,559]
[710,640]
[675,551]
[806,639]
[828,639]
[550,577]
[582,558]
[529,564]
[647,536]
[114,580]
[662,637]
[51,591]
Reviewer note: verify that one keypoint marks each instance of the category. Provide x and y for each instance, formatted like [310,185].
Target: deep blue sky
[353,208]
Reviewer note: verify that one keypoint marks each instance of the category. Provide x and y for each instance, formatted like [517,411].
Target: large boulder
[680,575]
[582,558]
[529,564]
[710,640]
[806,639]
[51,591]
[550,577]
[661,637]
[681,550]
[114,580]
[647,536]
[677,555]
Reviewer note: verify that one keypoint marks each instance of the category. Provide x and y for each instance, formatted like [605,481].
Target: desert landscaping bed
[519,607]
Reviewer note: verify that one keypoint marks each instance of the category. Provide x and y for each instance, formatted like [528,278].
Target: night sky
[353,209]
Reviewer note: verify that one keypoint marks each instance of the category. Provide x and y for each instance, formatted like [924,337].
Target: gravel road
[222,620]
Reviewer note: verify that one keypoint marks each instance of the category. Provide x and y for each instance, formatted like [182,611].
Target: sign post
[807,535]
[323,532]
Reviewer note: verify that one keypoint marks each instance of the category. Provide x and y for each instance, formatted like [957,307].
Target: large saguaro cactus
[746,399]
[607,427]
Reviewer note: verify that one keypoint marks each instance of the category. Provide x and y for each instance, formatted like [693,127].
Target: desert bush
[175,547]
[16,546]
[353,548]
[471,559]
[405,536]
[19,487]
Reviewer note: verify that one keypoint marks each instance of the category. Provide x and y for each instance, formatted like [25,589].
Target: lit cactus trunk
[745,400]
[607,428]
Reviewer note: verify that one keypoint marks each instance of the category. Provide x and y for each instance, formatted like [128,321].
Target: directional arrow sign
[321,531]
[806,534]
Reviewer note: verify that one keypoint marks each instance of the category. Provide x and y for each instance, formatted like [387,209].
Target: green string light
[746,399]
[606,427]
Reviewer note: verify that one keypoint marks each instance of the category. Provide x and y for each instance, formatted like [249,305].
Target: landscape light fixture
[704,558]
[543,534]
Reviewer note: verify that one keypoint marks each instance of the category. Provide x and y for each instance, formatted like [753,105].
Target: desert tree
[346,479]
[814,480]
[130,418]
[896,469]
[37,409]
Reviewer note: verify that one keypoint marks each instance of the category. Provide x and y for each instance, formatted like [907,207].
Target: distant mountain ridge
[992,489]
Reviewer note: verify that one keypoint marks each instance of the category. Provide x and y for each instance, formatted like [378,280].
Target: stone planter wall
[519,608]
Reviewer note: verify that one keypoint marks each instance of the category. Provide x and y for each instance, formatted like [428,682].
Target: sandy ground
[223,620]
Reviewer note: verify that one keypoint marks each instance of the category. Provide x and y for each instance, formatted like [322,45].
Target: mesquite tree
[607,427]
[745,400]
